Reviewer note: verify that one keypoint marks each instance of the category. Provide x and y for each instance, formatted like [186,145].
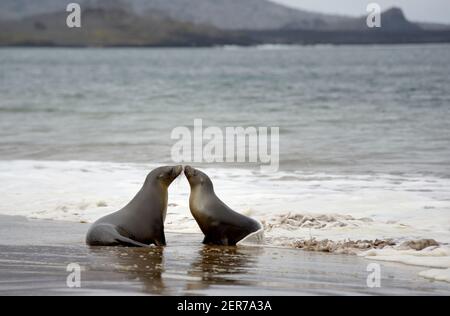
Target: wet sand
[34,255]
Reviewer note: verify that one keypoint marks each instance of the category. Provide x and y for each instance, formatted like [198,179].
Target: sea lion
[141,222]
[219,223]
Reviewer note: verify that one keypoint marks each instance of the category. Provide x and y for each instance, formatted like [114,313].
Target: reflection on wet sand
[143,266]
[222,266]
[35,259]
[161,271]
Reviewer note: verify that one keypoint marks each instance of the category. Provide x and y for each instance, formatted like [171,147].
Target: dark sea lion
[219,223]
[141,222]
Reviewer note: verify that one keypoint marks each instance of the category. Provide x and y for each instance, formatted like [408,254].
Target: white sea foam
[437,257]
[436,274]
[277,46]
[433,257]
[291,206]
[296,205]
[262,47]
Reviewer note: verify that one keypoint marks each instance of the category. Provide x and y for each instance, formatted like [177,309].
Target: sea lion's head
[164,175]
[197,178]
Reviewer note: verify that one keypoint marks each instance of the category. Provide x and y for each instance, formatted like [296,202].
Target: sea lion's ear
[161,175]
[202,180]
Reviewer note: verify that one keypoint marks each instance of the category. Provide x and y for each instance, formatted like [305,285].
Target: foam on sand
[436,274]
[437,257]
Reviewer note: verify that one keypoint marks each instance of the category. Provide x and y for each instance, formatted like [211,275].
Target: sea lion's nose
[188,170]
[175,172]
[178,169]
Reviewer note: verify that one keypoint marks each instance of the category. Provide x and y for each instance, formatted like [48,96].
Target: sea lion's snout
[174,172]
[177,170]
[189,172]
[195,177]
[165,174]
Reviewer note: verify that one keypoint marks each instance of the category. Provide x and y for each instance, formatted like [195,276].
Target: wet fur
[219,223]
[141,222]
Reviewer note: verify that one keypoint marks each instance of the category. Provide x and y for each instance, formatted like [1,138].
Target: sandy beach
[35,254]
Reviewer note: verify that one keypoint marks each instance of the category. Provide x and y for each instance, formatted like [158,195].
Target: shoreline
[35,255]
[226,46]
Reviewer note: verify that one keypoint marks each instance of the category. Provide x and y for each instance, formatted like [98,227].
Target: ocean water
[340,109]
[364,134]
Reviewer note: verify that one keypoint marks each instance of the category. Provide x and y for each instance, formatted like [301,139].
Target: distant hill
[392,20]
[434,26]
[198,23]
[222,14]
[112,27]
[239,14]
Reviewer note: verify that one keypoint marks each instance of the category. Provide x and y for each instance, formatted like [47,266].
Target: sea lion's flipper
[109,235]
[160,243]
[129,242]
[206,240]
[216,240]
[161,240]
[231,235]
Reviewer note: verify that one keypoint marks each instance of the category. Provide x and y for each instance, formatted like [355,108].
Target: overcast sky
[417,10]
